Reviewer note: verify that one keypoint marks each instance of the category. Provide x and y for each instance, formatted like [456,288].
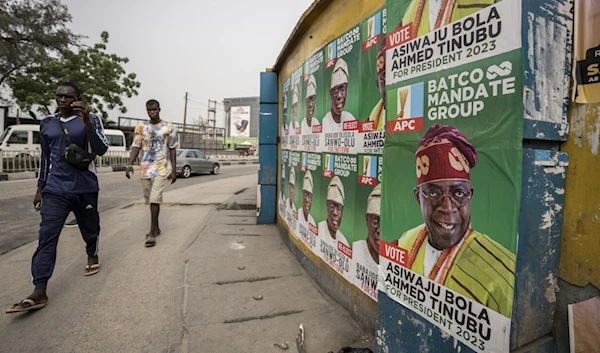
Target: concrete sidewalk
[215,282]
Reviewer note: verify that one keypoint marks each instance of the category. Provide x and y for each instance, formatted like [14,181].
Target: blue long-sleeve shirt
[56,174]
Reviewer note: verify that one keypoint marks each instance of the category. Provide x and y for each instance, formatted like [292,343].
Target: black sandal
[150,241]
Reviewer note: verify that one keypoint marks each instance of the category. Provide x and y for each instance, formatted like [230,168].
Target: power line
[193,101]
[204,104]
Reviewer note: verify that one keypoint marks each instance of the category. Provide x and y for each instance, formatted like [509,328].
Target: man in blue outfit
[63,188]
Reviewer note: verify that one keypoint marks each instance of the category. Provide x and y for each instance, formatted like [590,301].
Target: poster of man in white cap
[282,199]
[365,248]
[294,123]
[336,231]
[329,229]
[311,192]
[306,222]
[294,128]
[334,119]
[284,134]
[314,101]
[291,210]
[342,79]
[311,98]
[310,124]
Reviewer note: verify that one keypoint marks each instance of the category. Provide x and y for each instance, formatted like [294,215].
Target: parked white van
[26,137]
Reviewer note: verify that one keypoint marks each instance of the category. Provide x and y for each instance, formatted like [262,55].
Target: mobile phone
[38,206]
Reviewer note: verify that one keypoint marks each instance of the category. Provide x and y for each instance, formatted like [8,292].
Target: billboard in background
[240,121]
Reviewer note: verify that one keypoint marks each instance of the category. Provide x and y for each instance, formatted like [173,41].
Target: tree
[32,33]
[101,76]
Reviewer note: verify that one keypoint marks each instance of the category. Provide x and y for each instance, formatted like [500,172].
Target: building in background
[241,120]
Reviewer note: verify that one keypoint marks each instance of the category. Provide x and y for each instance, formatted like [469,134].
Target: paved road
[19,221]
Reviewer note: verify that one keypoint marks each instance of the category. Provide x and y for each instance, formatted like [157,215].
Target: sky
[210,49]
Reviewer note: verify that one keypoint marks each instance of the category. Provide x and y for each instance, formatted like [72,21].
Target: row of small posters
[401,160]
[331,202]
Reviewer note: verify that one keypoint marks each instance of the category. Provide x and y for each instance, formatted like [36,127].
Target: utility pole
[212,117]
[184,117]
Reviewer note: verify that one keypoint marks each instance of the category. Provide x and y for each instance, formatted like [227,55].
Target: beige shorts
[153,189]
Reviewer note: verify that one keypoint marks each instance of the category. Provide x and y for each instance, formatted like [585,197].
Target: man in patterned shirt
[157,139]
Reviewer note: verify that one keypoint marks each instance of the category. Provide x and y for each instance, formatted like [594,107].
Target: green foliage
[32,34]
[37,51]
[101,76]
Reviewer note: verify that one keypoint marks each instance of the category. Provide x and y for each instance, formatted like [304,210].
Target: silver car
[191,161]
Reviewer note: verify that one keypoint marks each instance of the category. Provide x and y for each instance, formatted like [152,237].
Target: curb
[238,163]
[18,176]
[34,175]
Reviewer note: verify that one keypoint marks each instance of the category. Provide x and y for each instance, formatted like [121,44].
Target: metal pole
[215,127]
[184,120]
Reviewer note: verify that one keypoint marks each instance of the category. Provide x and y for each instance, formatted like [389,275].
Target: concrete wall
[579,269]
[321,23]
[580,263]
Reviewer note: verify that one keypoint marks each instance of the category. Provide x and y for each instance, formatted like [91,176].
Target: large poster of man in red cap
[452,173]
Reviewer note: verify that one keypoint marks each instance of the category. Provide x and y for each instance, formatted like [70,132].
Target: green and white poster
[297,109]
[309,212]
[315,95]
[452,165]
[371,127]
[365,245]
[342,80]
[285,113]
[283,186]
[293,189]
[336,231]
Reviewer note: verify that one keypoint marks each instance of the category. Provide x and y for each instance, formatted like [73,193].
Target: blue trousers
[54,212]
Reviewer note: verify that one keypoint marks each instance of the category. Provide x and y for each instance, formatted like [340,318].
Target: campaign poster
[315,98]
[283,186]
[342,80]
[336,230]
[309,210]
[452,166]
[586,49]
[297,110]
[293,187]
[240,121]
[371,127]
[365,247]
[285,113]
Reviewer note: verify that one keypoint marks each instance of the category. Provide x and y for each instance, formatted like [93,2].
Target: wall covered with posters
[332,138]
[401,151]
